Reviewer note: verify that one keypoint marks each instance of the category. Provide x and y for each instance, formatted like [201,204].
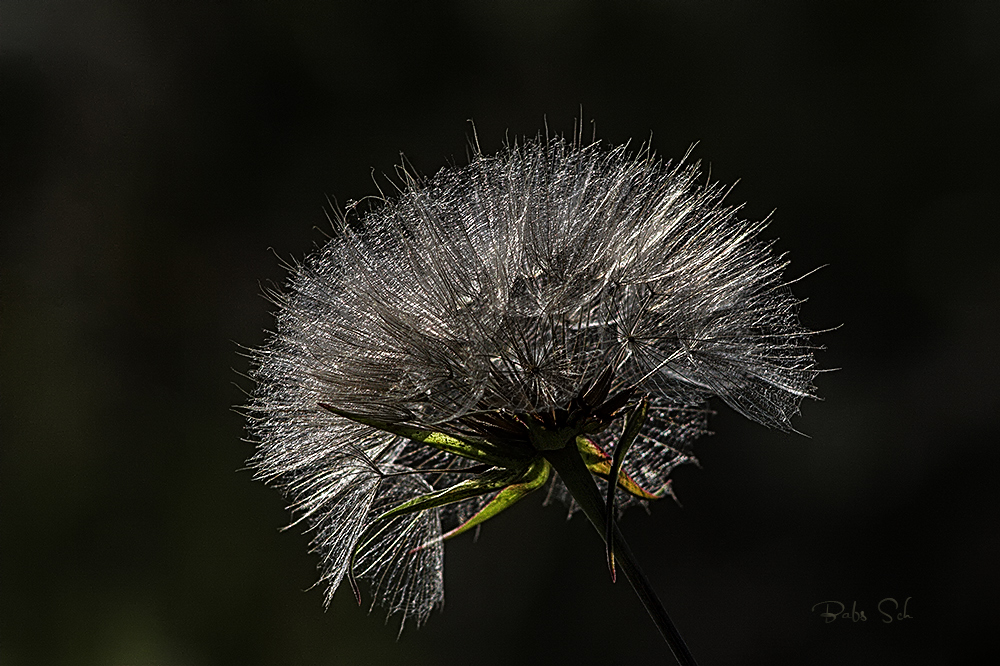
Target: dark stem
[574,473]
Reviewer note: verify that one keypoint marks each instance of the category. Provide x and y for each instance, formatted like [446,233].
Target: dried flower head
[555,306]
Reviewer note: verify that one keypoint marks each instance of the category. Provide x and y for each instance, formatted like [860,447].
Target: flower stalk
[568,463]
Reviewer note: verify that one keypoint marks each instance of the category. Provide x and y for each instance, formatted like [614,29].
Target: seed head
[427,357]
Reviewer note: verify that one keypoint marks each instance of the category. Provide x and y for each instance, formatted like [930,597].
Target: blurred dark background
[157,160]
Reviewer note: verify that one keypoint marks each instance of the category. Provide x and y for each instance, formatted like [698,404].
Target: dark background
[158,159]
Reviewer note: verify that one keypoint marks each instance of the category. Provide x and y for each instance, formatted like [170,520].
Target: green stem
[573,472]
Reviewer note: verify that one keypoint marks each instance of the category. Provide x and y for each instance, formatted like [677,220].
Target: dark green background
[157,160]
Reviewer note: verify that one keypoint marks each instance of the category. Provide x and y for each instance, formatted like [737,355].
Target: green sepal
[599,463]
[633,424]
[473,448]
[532,479]
[493,479]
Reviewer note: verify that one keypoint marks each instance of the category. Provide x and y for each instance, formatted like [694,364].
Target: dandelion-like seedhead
[434,360]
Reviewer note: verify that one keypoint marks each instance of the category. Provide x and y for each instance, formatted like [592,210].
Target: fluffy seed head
[509,286]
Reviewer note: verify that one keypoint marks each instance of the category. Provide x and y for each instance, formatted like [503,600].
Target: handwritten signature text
[889,611]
